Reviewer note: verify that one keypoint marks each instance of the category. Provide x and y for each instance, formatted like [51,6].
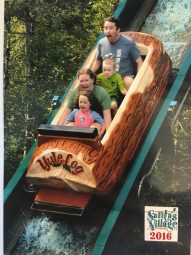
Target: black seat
[67,131]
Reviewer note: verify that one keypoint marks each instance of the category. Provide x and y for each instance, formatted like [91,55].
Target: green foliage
[46,41]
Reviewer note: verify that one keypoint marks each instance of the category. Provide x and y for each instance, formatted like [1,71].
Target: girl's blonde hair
[109,61]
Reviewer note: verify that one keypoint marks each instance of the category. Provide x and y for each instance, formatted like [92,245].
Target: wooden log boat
[75,158]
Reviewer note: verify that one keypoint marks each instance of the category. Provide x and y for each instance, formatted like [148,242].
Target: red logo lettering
[58,160]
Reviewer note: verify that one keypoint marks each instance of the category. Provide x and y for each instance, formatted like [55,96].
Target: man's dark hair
[114,20]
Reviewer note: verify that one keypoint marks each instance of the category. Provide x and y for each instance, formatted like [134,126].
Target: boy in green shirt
[112,82]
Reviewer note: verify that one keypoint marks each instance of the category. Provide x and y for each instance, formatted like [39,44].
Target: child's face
[108,70]
[84,103]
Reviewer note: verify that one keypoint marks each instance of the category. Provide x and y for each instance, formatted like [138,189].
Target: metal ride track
[17,201]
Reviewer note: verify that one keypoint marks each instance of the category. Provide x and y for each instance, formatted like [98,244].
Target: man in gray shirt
[119,47]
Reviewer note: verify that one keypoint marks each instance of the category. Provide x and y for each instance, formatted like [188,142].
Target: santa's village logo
[161,223]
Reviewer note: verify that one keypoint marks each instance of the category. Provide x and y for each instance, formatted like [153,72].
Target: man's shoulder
[103,40]
[125,38]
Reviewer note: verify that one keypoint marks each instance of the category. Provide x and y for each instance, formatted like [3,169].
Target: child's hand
[124,91]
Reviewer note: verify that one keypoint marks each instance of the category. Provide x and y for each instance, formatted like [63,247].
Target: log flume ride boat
[70,164]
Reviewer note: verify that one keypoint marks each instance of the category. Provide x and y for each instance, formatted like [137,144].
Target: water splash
[170,22]
[44,236]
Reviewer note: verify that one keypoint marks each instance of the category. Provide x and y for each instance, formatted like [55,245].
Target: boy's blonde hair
[109,61]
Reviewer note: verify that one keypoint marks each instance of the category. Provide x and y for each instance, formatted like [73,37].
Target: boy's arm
[123,91]
[121,85]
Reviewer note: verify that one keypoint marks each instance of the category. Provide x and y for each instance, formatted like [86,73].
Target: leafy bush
[45,44]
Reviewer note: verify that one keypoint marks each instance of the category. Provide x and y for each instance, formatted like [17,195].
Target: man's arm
[107,117]
[64,116]
[139,62]
[95,66]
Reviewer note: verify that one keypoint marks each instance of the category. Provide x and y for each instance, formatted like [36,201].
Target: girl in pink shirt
[84,116]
